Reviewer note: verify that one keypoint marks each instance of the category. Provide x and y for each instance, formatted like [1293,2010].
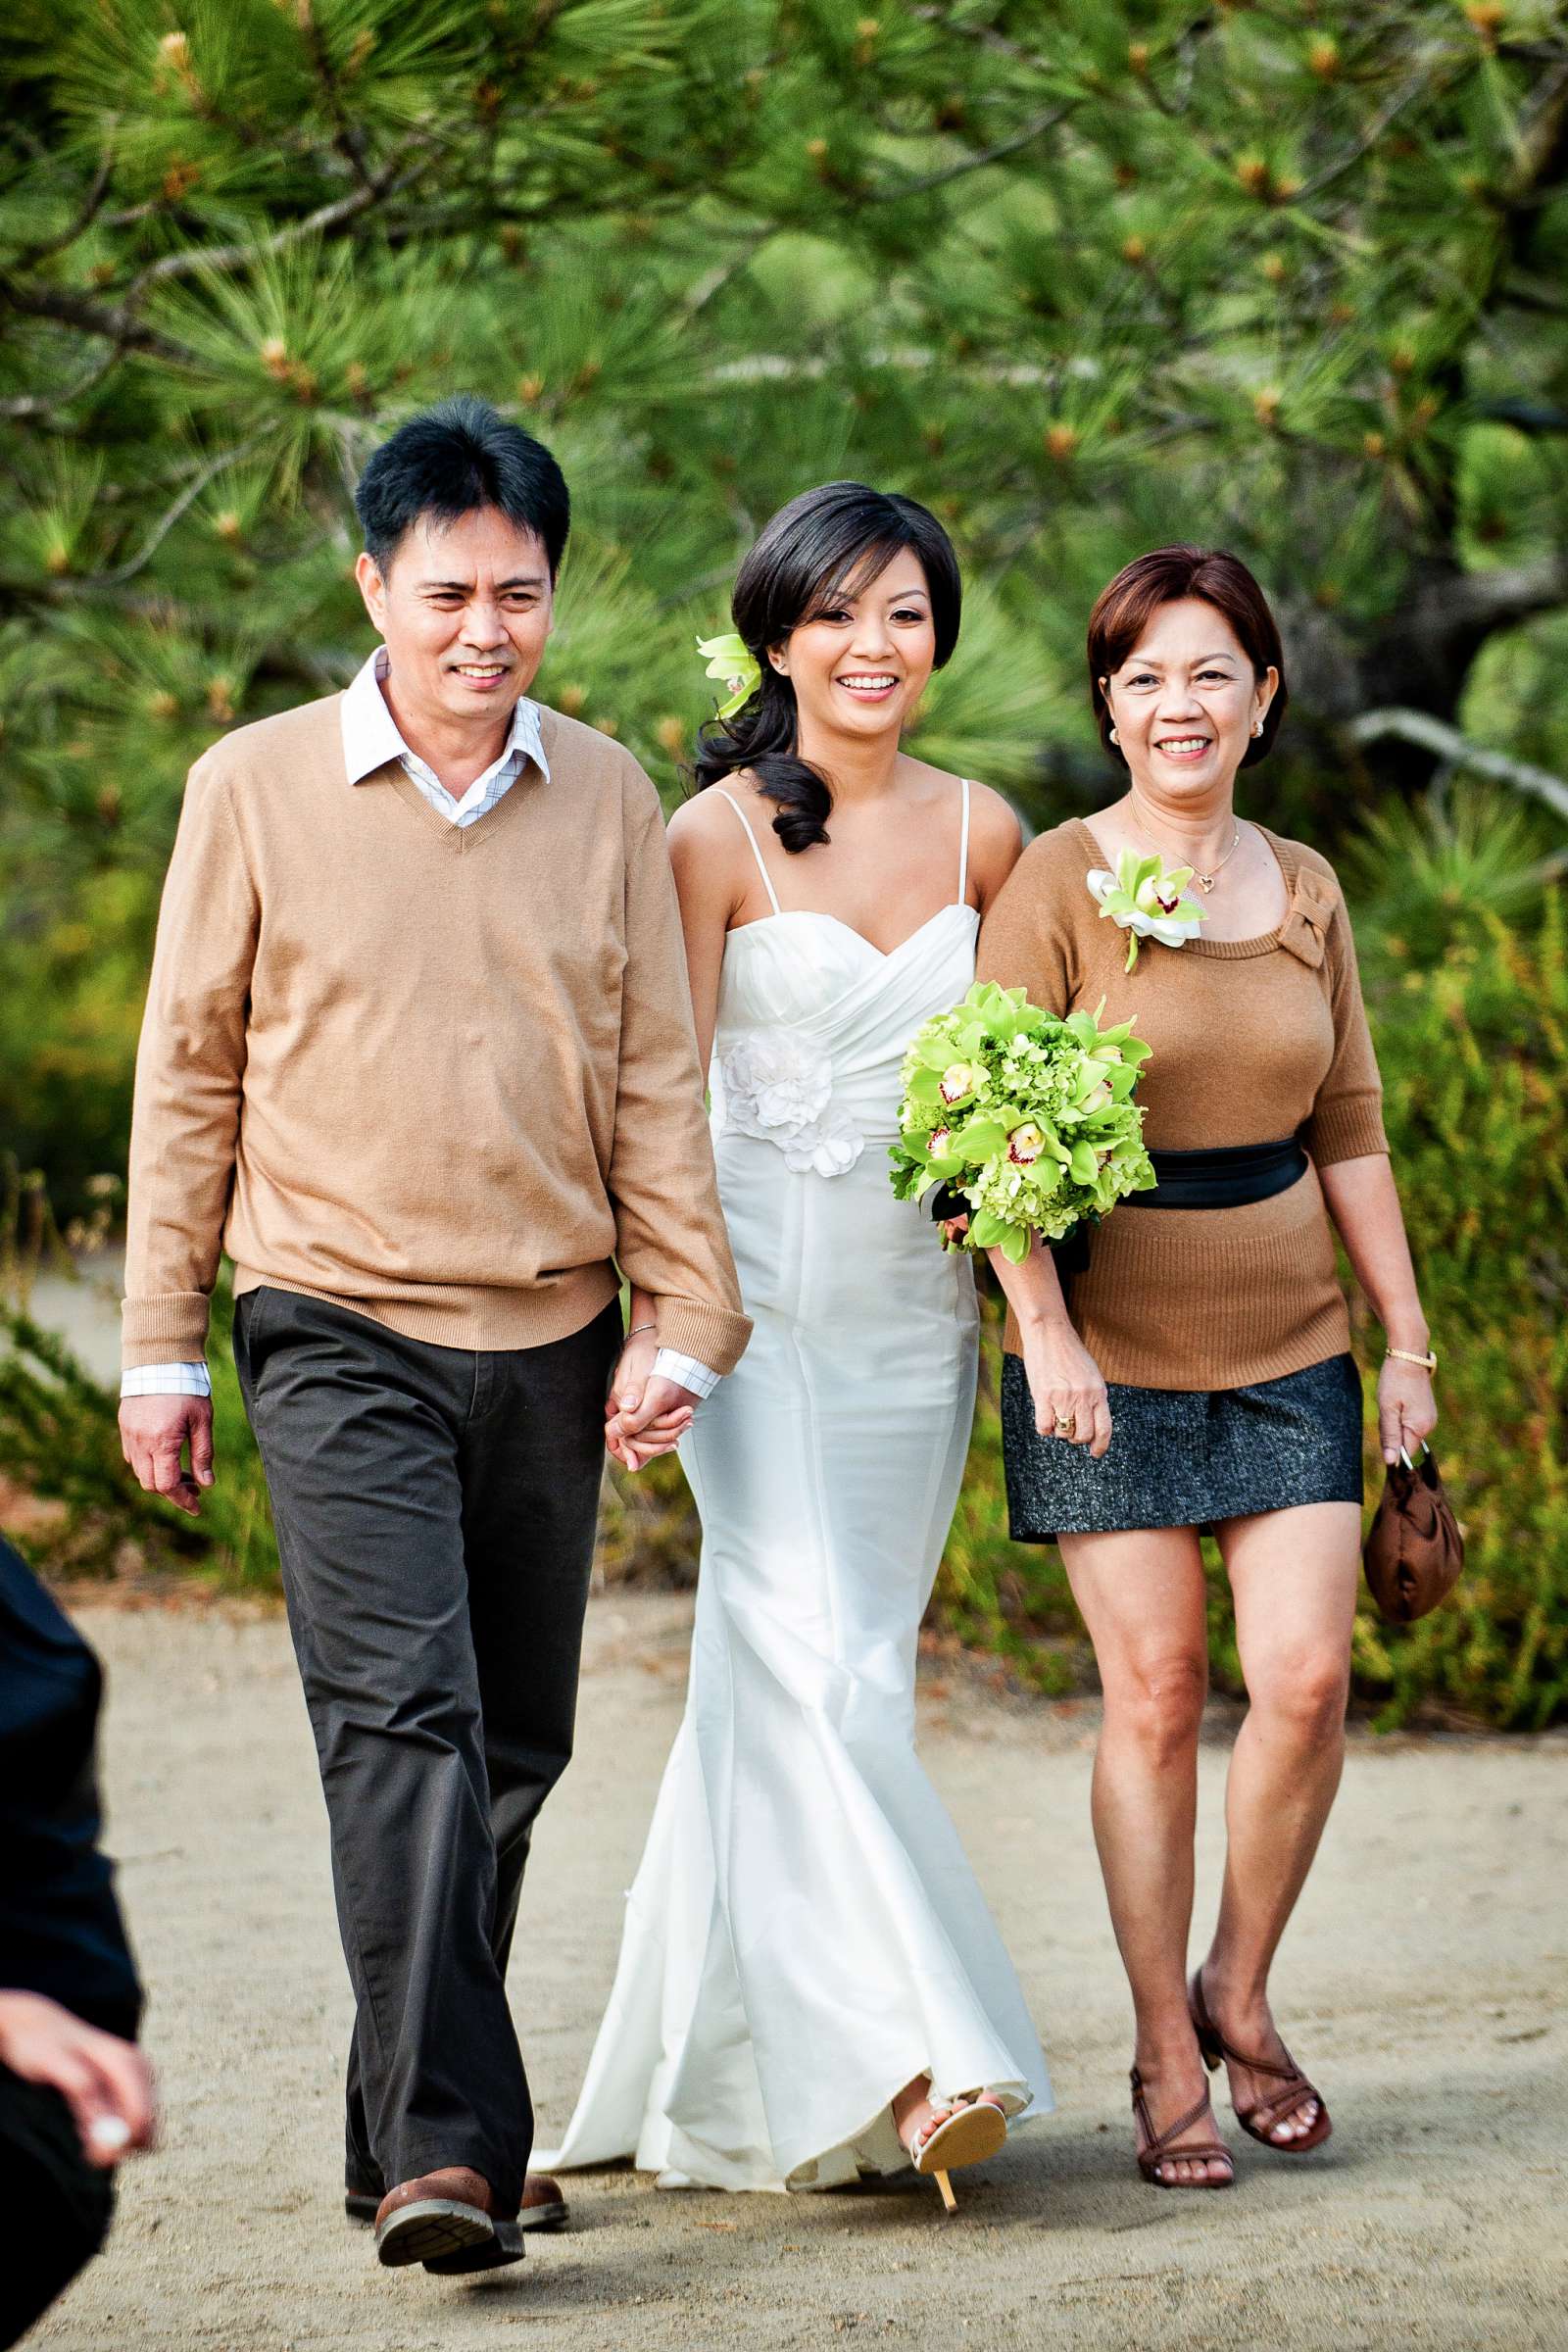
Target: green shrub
[60,1443]
[1475,1060]
[73,963]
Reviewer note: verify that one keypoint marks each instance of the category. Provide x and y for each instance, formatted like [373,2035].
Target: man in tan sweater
[418,1055]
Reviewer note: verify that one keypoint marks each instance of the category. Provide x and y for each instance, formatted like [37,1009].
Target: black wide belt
[1225,1178]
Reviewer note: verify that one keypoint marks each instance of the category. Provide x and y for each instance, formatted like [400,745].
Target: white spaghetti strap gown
[805,1936]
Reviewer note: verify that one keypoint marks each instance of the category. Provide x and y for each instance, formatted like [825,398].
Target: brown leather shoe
[544,2204]
[543,2208]
[439,2216]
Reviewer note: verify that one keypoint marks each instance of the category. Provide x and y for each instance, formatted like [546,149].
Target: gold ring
[1066,1429]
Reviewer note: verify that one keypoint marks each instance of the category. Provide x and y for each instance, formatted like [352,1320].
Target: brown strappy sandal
[1258,2120]
[1154,2148]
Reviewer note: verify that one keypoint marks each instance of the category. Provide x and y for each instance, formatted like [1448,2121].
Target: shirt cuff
[165,1380]
[686,1372]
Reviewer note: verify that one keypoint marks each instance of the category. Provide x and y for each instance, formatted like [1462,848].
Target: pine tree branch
[119,327]
[1381,122]
[294,663]
[713,282]
[87,212]
[328,221]
[1482,601]
[1435,735]
[348,136]
[988,39]
[1011,145]
[171,515]
[131,215]
[1525,415]
[1542,144]
[30,406]
[1536,295]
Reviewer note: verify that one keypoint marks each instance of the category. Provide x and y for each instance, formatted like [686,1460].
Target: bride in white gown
[809,1984]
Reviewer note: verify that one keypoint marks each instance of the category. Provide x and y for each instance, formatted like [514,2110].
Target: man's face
[465,610]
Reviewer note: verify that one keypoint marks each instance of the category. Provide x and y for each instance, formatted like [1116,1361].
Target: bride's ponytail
[761,737]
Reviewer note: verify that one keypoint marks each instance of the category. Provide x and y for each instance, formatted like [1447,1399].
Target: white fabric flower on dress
[829,1147]
[775,1083]
[779,1086]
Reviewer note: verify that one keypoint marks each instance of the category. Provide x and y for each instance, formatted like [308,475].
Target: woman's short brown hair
[1124,608]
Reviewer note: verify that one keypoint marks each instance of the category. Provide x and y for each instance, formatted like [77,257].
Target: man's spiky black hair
[452,460]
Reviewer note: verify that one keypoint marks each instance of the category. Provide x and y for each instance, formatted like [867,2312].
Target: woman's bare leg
[1142,1598]
[1293,1580]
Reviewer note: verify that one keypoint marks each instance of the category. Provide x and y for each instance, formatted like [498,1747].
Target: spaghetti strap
[767,883]
[963,848]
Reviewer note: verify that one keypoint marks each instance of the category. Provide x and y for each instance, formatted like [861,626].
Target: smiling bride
[811,1986]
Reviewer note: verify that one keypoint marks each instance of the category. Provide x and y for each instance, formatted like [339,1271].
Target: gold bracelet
[637,1327]
[1403,1355]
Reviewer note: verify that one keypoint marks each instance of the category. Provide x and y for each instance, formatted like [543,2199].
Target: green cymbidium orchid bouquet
[1027,1117]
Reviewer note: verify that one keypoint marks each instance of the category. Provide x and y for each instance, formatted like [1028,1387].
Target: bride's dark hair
[806,556]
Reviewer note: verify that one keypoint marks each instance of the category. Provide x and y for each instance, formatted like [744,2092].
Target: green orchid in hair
[1148,899]
[732,663]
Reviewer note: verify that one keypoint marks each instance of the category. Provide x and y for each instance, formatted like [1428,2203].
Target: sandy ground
[1423,1983]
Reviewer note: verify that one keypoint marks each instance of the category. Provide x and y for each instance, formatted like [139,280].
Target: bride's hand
[632,1448]
[1068,1392]
[632,1441]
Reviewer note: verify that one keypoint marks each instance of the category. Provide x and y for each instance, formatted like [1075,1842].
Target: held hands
[644,1416]
[1407,1412]
[154,1431]
[105,2083]
[1064,1381]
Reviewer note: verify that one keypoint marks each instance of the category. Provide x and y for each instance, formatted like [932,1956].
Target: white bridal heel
[972,2131]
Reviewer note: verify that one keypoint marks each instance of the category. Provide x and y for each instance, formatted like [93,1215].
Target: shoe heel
[946,2186]
[1209,2048]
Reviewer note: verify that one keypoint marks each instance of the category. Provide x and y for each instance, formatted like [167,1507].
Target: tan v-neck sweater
[1252,1039]
[441,1076]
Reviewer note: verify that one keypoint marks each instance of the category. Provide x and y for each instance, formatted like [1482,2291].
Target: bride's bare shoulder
[996,833]
[713,860]
[996,829]
[706,818]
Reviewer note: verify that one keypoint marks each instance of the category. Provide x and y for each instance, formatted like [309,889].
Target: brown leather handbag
[1413,1550]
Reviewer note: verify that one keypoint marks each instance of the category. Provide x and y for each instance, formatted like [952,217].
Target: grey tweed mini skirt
[1182,1457]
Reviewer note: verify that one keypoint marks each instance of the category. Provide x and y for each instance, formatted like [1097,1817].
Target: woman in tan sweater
[1191,1371]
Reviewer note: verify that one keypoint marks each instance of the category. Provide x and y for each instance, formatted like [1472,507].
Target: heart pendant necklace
[1205,882]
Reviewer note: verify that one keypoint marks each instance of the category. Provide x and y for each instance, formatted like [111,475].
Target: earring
[1257,726]
[1114,737]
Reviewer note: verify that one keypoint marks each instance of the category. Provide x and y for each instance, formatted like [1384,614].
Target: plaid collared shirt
[370,739]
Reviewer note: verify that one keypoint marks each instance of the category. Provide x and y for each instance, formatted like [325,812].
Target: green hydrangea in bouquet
[1027,1117]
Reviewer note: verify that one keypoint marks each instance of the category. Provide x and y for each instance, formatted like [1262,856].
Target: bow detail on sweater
[1308,917]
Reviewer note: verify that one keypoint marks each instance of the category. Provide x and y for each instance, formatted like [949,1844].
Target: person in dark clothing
[75,2092]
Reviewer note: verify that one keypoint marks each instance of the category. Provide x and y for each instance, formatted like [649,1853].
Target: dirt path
[1422,1982]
